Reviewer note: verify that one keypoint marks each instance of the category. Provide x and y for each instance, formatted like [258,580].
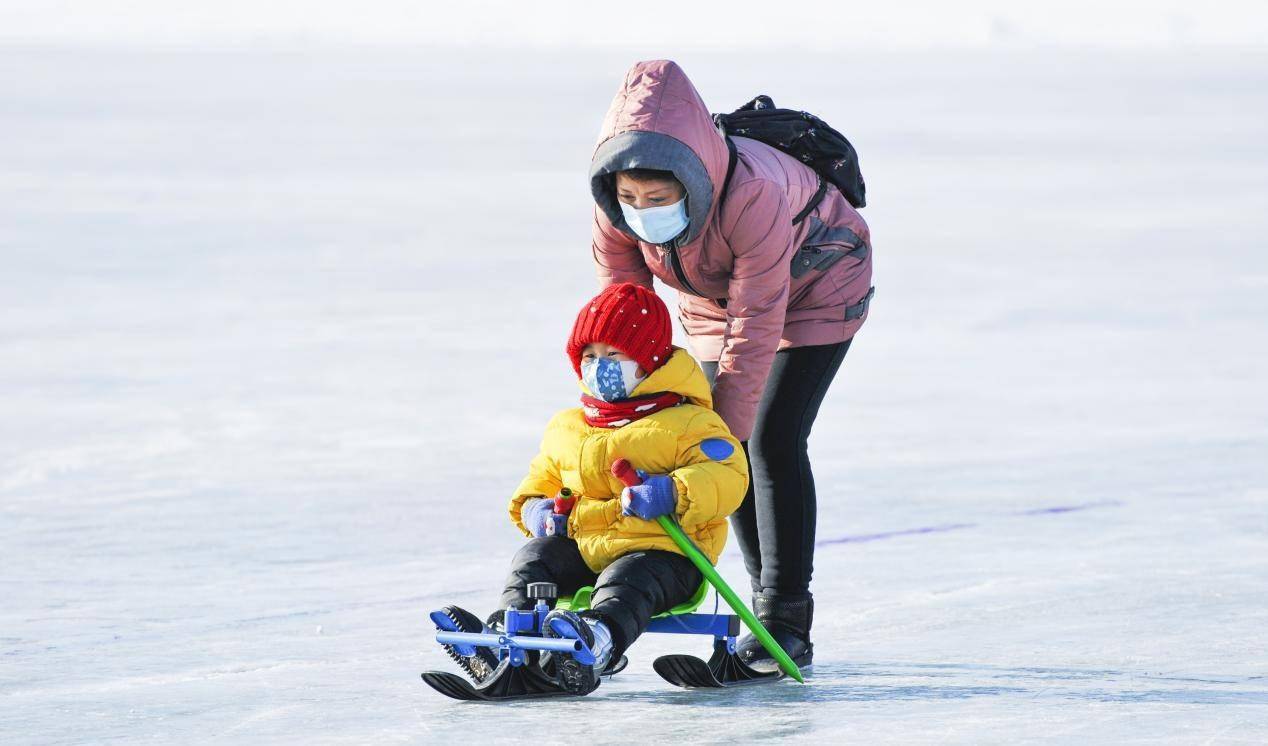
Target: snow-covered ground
[279,331]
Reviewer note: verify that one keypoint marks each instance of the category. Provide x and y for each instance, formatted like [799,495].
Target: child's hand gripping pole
[557,523]
[622,470]
[564,501]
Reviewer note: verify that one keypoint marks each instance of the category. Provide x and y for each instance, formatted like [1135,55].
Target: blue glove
[656,496]
[540,518]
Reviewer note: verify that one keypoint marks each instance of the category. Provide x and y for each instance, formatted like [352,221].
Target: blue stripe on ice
[1055,510]
[717,448]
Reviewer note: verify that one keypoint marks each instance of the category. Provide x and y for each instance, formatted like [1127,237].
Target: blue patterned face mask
[610,380]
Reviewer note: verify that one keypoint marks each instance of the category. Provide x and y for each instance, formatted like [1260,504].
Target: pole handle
[564,501]
[624,471]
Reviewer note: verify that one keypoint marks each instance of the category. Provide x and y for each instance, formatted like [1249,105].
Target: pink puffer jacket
[749,280]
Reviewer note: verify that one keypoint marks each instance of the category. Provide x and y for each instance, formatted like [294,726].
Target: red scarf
[599,413]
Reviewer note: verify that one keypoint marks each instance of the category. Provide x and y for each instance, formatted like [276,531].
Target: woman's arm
[757,299]
[617,257]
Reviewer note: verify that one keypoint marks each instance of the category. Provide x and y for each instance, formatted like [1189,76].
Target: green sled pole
[623,471]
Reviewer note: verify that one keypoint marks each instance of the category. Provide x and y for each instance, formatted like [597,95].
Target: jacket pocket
[825,245]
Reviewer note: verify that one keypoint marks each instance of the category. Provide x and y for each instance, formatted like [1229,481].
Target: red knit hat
[629,317]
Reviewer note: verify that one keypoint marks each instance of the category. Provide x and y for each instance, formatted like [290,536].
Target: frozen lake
[255,304]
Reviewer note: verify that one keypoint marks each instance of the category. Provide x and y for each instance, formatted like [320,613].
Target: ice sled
[525,650]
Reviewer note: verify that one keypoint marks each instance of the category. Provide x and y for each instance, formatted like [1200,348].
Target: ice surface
[279,331]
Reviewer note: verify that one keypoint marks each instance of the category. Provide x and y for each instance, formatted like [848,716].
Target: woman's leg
[775,525]
[549,559]
[783,485]
[780,508]
[638,586]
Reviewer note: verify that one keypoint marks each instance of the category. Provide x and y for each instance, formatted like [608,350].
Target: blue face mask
[610,380]
[657,224]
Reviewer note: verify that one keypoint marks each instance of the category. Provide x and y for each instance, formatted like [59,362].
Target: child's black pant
[627,594]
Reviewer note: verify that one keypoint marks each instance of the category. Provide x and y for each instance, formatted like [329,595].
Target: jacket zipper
[676,265]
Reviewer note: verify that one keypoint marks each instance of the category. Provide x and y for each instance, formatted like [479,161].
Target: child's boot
[574,676]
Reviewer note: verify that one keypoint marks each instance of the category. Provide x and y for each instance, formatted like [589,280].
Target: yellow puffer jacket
[579,457]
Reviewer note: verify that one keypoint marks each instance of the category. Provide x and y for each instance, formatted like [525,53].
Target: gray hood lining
[637,149]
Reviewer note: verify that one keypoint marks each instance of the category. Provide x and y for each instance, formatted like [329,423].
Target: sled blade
[728,670]
[724,669]
[452,685]
[507,683]
[616,667]
[686,671]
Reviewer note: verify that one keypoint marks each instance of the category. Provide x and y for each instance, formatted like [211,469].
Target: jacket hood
[658,120]
[681,374]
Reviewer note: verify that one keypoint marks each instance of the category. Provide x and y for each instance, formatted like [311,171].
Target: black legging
[775,525]
[627,594]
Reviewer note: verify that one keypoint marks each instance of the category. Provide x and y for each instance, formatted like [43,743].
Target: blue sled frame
[527,669]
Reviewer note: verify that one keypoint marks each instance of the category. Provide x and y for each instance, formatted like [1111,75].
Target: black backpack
[804,136]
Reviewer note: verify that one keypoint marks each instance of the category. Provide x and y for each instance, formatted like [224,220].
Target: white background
[572,23]
[283,295]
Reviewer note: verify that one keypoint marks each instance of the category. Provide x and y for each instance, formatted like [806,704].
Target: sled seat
[580,601]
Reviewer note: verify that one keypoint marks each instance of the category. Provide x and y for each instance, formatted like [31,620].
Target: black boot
[788,619]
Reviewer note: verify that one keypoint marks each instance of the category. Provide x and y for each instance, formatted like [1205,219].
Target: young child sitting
[646,401]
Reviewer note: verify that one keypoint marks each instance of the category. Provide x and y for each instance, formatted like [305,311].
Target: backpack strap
[730,170]
[858,310]
[813,202]
[731,157]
